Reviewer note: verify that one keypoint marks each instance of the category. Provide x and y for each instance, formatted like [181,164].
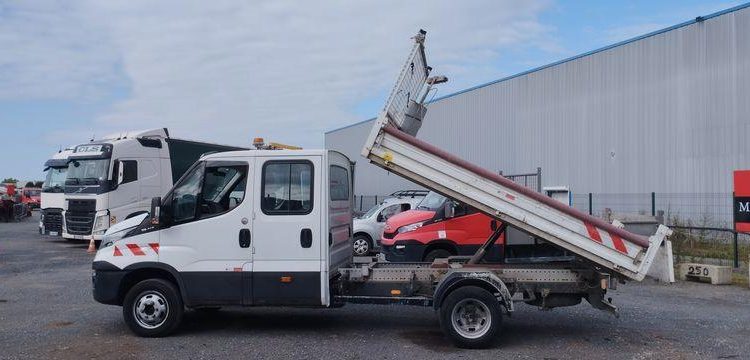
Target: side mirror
[380,218]
[449,210]
[155,210]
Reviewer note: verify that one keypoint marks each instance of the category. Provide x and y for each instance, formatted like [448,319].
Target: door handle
[245,238]
[305,238]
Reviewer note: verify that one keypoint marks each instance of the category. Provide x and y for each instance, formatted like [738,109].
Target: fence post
[360,203]
[591,202]
[539,179]
[736,252]
[653,203]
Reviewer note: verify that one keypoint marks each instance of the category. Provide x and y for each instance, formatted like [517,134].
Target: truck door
[287,231]
[209,237]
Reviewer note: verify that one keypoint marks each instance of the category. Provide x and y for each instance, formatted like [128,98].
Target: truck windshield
[32,192]
[55,180]
[87,171]
[431,202]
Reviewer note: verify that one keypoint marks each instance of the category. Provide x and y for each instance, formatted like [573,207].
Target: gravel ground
[47,311]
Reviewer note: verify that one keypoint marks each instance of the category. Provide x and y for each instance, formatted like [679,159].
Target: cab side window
[223,189]
[129,170]
[339,183]
[183,201]
[287,187]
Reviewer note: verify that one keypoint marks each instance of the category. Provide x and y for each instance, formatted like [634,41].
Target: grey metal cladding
[667,113]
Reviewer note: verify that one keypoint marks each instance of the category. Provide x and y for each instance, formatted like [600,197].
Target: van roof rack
[410,193]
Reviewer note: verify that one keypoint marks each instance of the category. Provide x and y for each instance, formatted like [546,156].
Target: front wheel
[471,317]
[153,308]
[361,245]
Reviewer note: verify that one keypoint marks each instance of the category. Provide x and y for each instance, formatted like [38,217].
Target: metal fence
[702,222]
[532,181]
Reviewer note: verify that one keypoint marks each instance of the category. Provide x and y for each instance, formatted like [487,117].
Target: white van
[368,228]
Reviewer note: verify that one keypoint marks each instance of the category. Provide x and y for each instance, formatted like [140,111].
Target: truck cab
[53,193]
[114,178]
[31,196]
[260,227]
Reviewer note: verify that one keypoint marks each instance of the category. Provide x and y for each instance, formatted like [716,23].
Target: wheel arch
[365,234]
[483,279]
[445,244]
[149,270]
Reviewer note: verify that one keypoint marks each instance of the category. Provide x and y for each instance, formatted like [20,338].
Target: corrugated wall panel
[669,113]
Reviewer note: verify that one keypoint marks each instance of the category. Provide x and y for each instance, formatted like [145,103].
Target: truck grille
[52,220]
[79,218]
[389,235]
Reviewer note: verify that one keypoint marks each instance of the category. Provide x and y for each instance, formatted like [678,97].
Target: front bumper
[106,280]
[403,251]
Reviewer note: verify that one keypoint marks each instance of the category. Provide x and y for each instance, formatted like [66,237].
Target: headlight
[101,224]
[410,227]
[110,239]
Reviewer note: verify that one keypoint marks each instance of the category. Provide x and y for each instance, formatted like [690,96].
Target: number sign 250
[697,271]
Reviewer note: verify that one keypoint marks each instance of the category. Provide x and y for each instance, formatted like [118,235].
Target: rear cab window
[287,187]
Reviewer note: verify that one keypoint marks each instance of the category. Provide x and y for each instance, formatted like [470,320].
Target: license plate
[53,233]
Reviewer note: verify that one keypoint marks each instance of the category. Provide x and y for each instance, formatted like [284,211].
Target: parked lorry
[274,228]
[368,228]
[114,178]
[53,193]
[31,196]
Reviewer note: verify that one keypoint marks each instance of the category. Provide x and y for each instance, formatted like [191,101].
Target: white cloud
[228,71]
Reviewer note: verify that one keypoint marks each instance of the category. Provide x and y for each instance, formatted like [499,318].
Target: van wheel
[471,317]
[361,245]
[437,254]
[153,308]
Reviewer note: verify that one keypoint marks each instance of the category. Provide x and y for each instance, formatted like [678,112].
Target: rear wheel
[471,317]
[437,254]
[361,245]
[153,308]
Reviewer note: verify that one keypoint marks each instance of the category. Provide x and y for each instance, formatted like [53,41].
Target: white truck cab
[53,194]
[368,228]
[258,227]
[114,178]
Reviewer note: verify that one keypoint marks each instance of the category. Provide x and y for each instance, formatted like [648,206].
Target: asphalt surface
[47,311]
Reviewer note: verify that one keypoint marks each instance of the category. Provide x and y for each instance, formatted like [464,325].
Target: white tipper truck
[53,193]
[114,178]
[273,228]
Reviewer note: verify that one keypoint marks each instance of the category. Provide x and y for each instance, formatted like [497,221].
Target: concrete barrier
[717,275]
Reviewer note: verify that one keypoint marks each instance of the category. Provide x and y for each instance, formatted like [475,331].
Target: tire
[361,245]
[153,308]
[437,254]
[471,317]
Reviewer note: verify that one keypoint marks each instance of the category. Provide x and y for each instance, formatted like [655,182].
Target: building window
[287,188]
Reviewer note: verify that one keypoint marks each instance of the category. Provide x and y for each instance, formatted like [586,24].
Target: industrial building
[667,112]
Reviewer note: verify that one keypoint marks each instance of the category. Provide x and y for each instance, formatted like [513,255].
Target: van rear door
[287,230]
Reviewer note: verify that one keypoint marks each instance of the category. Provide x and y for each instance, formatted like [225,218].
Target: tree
[10,180]
[38,184]
[29,184]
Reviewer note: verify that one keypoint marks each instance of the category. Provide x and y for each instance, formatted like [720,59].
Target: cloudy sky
[227,71]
